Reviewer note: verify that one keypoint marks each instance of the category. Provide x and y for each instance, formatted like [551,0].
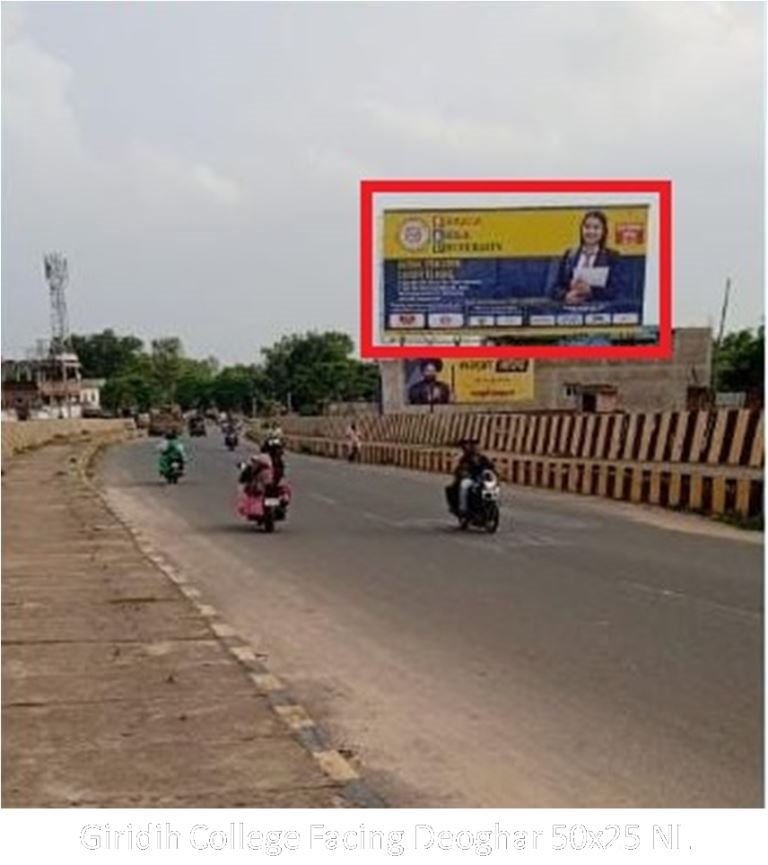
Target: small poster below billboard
[438,382]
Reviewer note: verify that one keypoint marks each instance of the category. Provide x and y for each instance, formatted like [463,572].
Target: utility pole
[720,336]
[724,311]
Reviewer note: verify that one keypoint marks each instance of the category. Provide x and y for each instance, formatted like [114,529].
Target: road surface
[589,654]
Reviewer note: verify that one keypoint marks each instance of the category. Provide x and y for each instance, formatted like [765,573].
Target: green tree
[167,363]
[105,354]
[194,385]
[362,381]
[130,392]
[117,394]
[302,372]
[739,361]
[305,371]
[233,389]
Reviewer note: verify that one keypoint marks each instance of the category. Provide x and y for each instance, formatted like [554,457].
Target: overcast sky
[199,163]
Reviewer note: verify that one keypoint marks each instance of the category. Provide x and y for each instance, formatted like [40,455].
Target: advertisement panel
[433,381]
[524,270]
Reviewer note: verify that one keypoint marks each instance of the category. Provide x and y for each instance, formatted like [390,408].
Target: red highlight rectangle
[660,351]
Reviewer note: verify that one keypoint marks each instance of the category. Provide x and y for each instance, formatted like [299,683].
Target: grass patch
[748,524]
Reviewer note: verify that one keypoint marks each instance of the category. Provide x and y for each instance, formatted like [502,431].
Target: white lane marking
[325,499]
[377,518]
[503,544]
[670,593]
[748,614]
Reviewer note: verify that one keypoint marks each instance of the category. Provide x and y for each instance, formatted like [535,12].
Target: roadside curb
[331,762]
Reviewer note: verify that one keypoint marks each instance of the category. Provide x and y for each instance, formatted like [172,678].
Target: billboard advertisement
[521,270]
[433,381]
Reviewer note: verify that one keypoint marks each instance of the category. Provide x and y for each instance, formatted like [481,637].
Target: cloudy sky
[198,163]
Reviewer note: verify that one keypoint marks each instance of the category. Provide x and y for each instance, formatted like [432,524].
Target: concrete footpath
[118,690]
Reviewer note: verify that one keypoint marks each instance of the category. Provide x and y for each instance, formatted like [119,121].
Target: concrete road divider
[704,461]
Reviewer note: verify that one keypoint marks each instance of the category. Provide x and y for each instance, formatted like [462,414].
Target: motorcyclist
[171,450]
[257,474]
[468,472]
[230,433]
[273,446]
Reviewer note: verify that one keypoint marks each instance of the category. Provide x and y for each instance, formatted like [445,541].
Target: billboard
[486,272]
[433,381]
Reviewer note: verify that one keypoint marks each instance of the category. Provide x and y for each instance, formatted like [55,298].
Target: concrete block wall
[19,436]
[710,461]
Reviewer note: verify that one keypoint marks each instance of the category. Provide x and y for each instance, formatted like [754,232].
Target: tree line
[739,362]
[300,372]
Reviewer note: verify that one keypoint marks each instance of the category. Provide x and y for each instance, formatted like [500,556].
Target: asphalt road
[589,654]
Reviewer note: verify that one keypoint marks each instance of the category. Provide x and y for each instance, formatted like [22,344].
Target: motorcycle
[483,504]
[231,440]
[265,508]
[171,468]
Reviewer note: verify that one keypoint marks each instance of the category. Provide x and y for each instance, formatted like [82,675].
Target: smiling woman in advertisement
[587,272]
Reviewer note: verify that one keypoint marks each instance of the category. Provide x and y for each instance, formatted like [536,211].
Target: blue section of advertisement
[513,292]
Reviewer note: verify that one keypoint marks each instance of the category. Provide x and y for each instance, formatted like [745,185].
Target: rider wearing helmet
[273,446]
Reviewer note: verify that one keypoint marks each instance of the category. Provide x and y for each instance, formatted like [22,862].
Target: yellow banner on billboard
[498,381]
[492,381]
[507,233]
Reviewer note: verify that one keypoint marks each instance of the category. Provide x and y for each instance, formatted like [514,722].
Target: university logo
[414,234]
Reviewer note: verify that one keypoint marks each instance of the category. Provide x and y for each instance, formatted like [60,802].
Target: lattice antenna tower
[57,276]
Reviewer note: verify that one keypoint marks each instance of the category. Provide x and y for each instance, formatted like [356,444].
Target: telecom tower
[60,352]
[57,276]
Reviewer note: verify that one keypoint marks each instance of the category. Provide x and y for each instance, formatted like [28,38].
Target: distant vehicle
[197,426]
[92,411]
[165,420]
